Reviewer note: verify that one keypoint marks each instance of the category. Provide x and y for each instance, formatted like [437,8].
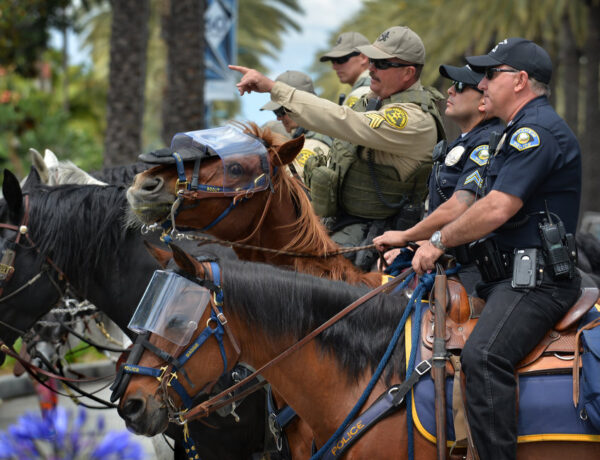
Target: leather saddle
[555,353]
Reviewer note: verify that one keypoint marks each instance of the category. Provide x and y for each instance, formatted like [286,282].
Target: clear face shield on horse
[171,307]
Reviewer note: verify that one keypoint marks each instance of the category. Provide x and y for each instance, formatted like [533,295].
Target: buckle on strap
[423,367]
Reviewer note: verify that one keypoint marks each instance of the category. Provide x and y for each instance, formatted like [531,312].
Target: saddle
[556,351]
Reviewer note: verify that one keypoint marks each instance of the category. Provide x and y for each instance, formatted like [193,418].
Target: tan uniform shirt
[360,88]
[399,134]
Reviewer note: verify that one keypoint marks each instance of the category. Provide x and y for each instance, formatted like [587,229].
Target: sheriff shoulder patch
[351,101]
[480,154]
[396,117]
[474,177]
[303,156]
[524,138]
[375,119]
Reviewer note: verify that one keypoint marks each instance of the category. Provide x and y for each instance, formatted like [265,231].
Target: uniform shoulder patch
[480,154]
[375,119]
[303,156]
[524,138]
[351,101]
[396,117]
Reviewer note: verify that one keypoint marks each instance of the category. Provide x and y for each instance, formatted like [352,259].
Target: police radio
[559,246]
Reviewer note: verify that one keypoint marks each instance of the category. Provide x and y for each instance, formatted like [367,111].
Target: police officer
[456,179]
[537,166]
[314,143]
[381,155]
[350,65]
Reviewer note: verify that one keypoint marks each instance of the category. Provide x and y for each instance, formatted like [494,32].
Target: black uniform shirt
[539,162]
[462,168]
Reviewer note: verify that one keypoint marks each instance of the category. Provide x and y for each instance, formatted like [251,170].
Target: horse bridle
[167,375]
[9,254]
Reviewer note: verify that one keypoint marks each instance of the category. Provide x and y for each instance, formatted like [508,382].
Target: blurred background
[101,81]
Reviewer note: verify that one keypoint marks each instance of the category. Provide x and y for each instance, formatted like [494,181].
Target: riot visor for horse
[171,307]
[244,157]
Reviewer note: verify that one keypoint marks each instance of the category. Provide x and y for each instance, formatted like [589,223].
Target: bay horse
[269,309]
[78,232]
[279,219]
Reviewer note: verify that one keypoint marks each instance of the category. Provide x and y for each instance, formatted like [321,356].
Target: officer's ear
[481,104]
[288,151]
[521,81]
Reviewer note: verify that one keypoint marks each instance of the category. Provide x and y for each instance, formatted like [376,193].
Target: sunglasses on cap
[490,71]
[344,59]
[281,111]
[384,64]
[460,86]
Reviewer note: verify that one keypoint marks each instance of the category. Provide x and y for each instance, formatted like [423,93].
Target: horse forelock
[287,304]
[81,227]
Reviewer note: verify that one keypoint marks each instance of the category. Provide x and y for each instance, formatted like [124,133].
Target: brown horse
[268,310]
[281,219]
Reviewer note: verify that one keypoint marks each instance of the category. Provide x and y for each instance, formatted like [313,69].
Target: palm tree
[127,77]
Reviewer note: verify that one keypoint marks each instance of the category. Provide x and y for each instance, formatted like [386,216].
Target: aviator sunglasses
[384,64]
[344,59]
[490,71]
[460,86]
[280,112]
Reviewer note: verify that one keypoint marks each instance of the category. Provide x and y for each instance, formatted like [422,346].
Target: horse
[267,310]
[77,233]
[278,219]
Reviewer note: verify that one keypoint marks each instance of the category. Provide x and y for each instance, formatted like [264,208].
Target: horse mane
[291,304]
[310,235]
[68,173]
[121,175]
[80,227]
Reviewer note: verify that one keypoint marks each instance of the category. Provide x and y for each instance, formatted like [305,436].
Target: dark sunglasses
[490,71]
[280,112]
[460,86]
[344,59]
[384,64]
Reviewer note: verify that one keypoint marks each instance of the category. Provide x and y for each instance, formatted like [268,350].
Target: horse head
[154,191]
[155,383]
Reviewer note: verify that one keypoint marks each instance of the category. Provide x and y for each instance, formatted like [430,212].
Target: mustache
[373,77]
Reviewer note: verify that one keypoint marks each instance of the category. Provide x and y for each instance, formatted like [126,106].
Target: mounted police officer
[350,65]
[381,154]
[456,179]
[530,211]
[314,143]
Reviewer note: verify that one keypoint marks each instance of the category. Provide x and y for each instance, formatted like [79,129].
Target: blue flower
[117,442]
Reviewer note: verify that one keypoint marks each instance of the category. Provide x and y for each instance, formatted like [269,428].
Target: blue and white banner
[220,26]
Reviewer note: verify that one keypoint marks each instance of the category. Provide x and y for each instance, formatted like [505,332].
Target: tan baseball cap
[298,80]
[346,44]
[396,42]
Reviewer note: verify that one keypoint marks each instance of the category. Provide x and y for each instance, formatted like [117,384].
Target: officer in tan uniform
[350,65]
[314,143]
[381,154]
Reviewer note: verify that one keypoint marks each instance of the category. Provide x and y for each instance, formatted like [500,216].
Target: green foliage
[32,115]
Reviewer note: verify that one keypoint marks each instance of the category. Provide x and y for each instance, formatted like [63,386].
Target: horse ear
[12,193]
[185,261]
[32,179]
[37,162]
[162,256]
[50,159]
[288,151]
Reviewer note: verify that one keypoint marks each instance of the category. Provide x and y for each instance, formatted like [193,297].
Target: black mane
[288,303]
[80,227]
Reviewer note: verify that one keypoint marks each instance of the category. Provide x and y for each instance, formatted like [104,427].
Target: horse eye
[235,170]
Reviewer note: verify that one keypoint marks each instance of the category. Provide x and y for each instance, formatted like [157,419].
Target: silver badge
[454,155]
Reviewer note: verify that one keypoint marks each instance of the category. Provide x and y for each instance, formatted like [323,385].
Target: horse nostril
[152,184]
[133,409]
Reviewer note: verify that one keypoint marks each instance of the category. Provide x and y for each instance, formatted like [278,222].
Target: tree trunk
[183,32]
[591,140]
[569,61]
[127,79]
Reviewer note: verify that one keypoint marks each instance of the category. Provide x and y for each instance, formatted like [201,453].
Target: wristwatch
[436,240]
